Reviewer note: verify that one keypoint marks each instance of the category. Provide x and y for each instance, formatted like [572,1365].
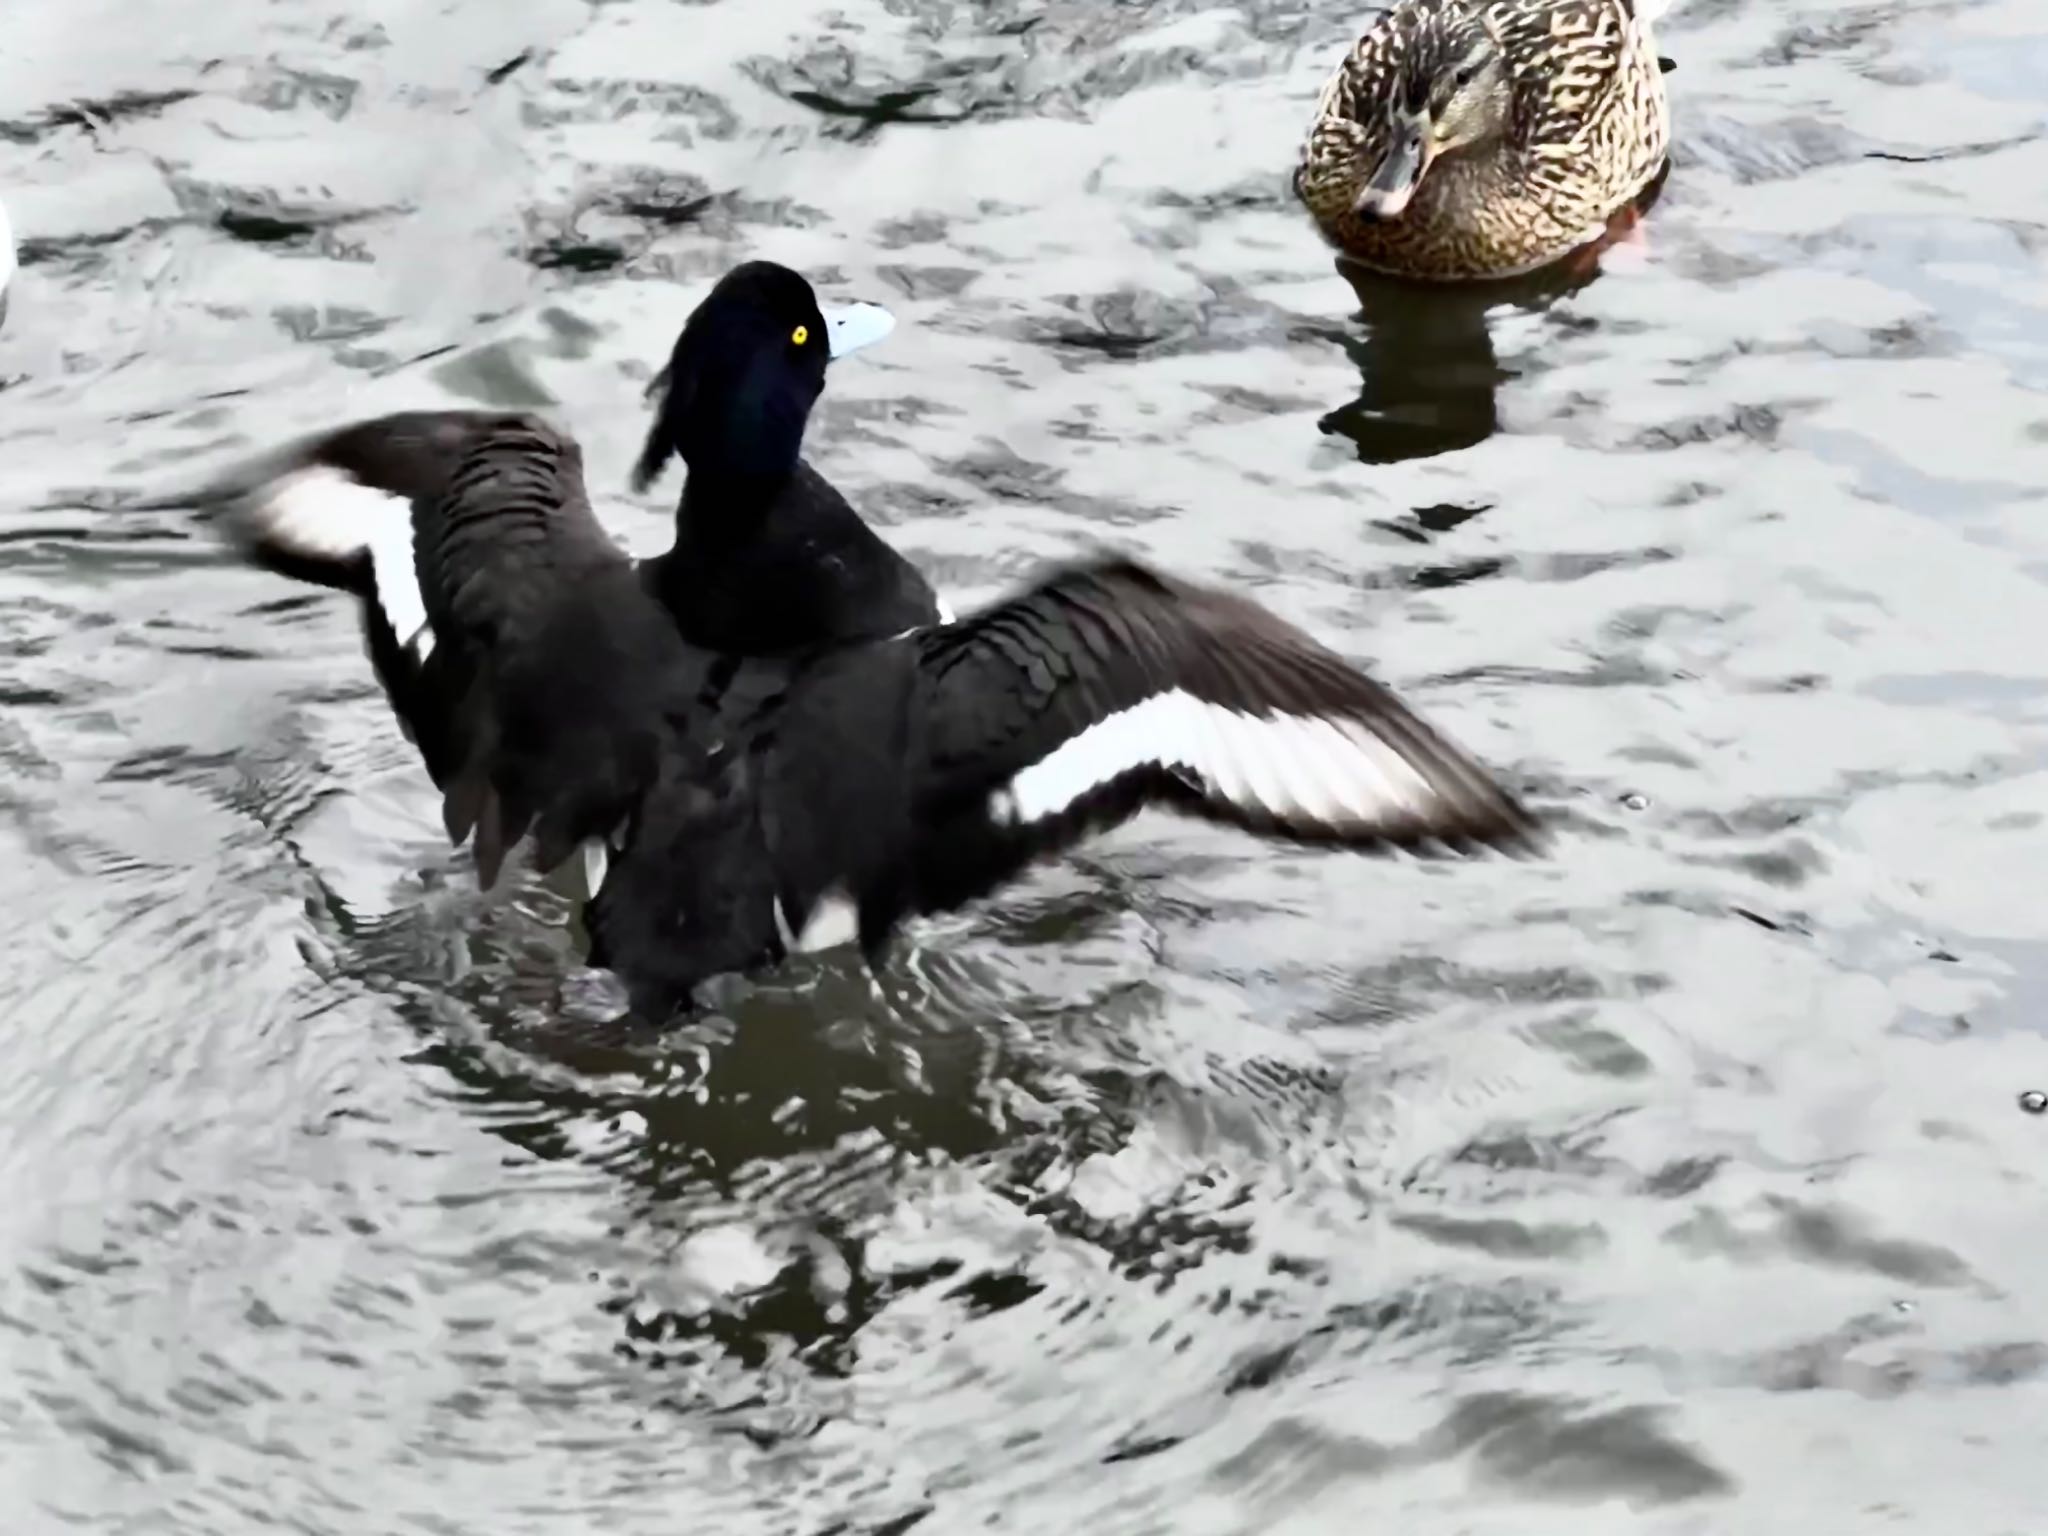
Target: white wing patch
[320,514]
[1300,768]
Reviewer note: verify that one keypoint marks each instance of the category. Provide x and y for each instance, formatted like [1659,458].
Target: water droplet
[2034,1102]
[1636,800]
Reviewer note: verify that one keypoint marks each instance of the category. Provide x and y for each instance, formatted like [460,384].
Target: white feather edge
[582,875]
[596,861]
[945,616]
[1301,768]
[834,920]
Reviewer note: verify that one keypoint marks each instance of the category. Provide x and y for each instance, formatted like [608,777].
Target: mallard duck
[1464,139]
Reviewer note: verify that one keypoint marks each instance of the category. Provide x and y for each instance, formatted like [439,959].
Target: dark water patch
[1559,1449]
[1444,517]
[1823,1236]
[91,116]
[572,255]
[498,74]
[1505,1239]
[873,113]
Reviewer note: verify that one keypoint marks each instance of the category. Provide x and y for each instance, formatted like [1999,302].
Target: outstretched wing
[337,509]
[1109,688]
[508,629]
[565,665]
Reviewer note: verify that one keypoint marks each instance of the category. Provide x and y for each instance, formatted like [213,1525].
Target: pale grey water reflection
[1677,1184]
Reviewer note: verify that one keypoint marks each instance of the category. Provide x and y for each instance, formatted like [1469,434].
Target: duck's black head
[745,373]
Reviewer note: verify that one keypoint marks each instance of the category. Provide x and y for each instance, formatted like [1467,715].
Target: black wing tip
[1499,829]
[399,452]
[1474,814]
[659,446]
[1506,829]
[653,460]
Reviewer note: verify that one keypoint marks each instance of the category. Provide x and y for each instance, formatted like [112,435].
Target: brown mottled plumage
[1463,139]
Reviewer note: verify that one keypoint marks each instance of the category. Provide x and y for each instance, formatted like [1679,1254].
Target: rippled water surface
[1675,1184]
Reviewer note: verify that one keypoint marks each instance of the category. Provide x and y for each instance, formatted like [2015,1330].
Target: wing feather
[510,632]
[569,666]
[1108,687]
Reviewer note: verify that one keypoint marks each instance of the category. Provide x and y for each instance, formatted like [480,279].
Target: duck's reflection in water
[1425,351]
[952,1054]
[762,1139]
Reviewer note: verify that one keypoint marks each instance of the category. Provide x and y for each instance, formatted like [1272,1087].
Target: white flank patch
[834,920]
[1305,769]
[946,614]
[581,876]
[853,326]
[320,514]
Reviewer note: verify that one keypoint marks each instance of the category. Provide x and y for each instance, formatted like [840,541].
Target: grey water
[1676,1183]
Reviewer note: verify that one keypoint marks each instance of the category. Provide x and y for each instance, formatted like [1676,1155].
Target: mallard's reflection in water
[1425,351]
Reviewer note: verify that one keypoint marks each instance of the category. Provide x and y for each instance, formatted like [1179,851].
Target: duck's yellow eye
[800,335]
